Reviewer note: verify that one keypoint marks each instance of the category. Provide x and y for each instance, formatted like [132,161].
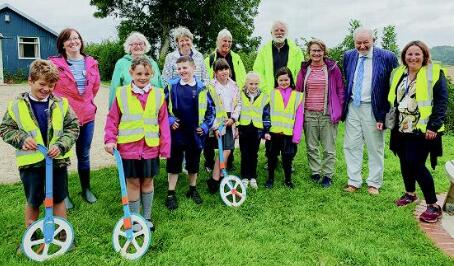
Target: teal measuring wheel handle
[232,190]
[131,236]
[42,239]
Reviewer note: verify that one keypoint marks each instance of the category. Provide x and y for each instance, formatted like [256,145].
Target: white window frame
[19,42]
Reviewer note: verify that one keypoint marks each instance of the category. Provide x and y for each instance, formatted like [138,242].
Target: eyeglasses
[73,39]
[134,44]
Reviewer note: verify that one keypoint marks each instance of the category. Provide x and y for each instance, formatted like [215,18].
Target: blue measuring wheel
[232,190]
[131,236]
[50,236]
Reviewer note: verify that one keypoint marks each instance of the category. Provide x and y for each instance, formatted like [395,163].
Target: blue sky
[430,21]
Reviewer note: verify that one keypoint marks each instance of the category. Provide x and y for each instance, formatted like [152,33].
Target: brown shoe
[373,191]
[350,189]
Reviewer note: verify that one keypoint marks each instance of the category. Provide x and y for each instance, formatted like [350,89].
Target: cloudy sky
[429,20]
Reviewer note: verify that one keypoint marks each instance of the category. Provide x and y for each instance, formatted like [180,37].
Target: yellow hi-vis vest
[137,123]
[283,118]
[203,102]
[252,112]
[425,80]
[19,111]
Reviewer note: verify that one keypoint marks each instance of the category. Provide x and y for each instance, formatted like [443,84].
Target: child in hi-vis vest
[39,117]
[137,125]
[286,115]
[251,124]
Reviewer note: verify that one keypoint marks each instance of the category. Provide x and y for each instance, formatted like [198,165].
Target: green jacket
[238,67]
[11,134]
[264,66]
[121,77]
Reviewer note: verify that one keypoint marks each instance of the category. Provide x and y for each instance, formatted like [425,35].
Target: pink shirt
[299,116]
[315,90]
[139,149]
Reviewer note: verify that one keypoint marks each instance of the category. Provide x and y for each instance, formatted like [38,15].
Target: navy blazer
[383,63]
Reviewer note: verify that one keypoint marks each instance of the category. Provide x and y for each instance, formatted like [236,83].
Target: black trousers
[283,145]
[249,147]
[413,151]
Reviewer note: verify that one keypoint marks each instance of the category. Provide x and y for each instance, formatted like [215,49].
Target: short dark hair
[284,71]
[141,60]
[425,52]
[64,36]
[221,64]
[185,58]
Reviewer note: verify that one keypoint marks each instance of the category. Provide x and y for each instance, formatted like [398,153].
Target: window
[28,47]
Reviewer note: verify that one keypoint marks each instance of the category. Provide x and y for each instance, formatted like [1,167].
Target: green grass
[305,226]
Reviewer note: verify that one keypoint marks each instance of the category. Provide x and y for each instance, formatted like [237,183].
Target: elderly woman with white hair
[136,45]
[237,74]
[223,50]
[183,39]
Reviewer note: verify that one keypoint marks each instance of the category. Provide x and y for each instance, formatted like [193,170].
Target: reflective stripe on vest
[203,102]
[20,113]
[283,118]
[252,112]
[425,80]
[137,123]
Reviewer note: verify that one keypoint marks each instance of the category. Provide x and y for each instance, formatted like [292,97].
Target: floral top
[407,106]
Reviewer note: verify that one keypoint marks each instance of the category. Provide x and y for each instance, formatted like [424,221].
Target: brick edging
[435,231]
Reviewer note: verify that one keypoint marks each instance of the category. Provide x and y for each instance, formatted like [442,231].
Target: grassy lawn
[305,226]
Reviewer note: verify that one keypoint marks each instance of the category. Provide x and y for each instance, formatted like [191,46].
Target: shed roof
[28,18]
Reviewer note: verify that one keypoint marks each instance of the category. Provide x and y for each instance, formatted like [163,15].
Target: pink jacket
[139,149]
[83,105]
[299,117]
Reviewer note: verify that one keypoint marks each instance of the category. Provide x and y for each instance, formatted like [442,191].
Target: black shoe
[289,184]
[213,185]
[195,196]
[88,196]
[68,203]
[269,183]
[316,178]
[171,202]
[326,182]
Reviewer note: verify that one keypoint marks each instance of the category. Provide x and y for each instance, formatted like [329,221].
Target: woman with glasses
[79,83]
[136,45]
[321,81]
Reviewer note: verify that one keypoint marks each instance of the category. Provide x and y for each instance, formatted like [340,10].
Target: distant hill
[445,54]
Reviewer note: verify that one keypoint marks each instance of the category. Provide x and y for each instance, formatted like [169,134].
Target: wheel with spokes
[138,245]
[233,191]
[35,247]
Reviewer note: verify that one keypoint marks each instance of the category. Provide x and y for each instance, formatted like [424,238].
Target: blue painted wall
[22,27]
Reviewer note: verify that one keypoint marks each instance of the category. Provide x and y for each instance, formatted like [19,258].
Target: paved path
[99,158]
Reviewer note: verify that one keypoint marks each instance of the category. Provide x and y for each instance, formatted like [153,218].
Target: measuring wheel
[40,247]
[233,191]
[131,237]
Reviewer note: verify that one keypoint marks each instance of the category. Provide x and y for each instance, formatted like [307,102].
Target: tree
[348,43]
[204,18]
[389,39]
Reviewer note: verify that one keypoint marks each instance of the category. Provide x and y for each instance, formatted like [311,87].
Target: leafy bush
[107,53]
[248,59]
[450,113]
[19,76]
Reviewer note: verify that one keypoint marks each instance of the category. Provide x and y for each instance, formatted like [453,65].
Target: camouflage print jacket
[11,134]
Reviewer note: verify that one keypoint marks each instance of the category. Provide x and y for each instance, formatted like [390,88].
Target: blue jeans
[83,145]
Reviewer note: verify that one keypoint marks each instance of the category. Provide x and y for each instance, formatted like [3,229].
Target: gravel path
[99,158]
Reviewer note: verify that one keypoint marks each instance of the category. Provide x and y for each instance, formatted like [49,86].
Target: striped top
[77,68]
[315,89]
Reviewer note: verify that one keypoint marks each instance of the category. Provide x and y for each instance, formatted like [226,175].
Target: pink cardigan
[83,105]
[139,149]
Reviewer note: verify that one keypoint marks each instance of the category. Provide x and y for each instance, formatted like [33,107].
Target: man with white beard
[279,52]
[275,54]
